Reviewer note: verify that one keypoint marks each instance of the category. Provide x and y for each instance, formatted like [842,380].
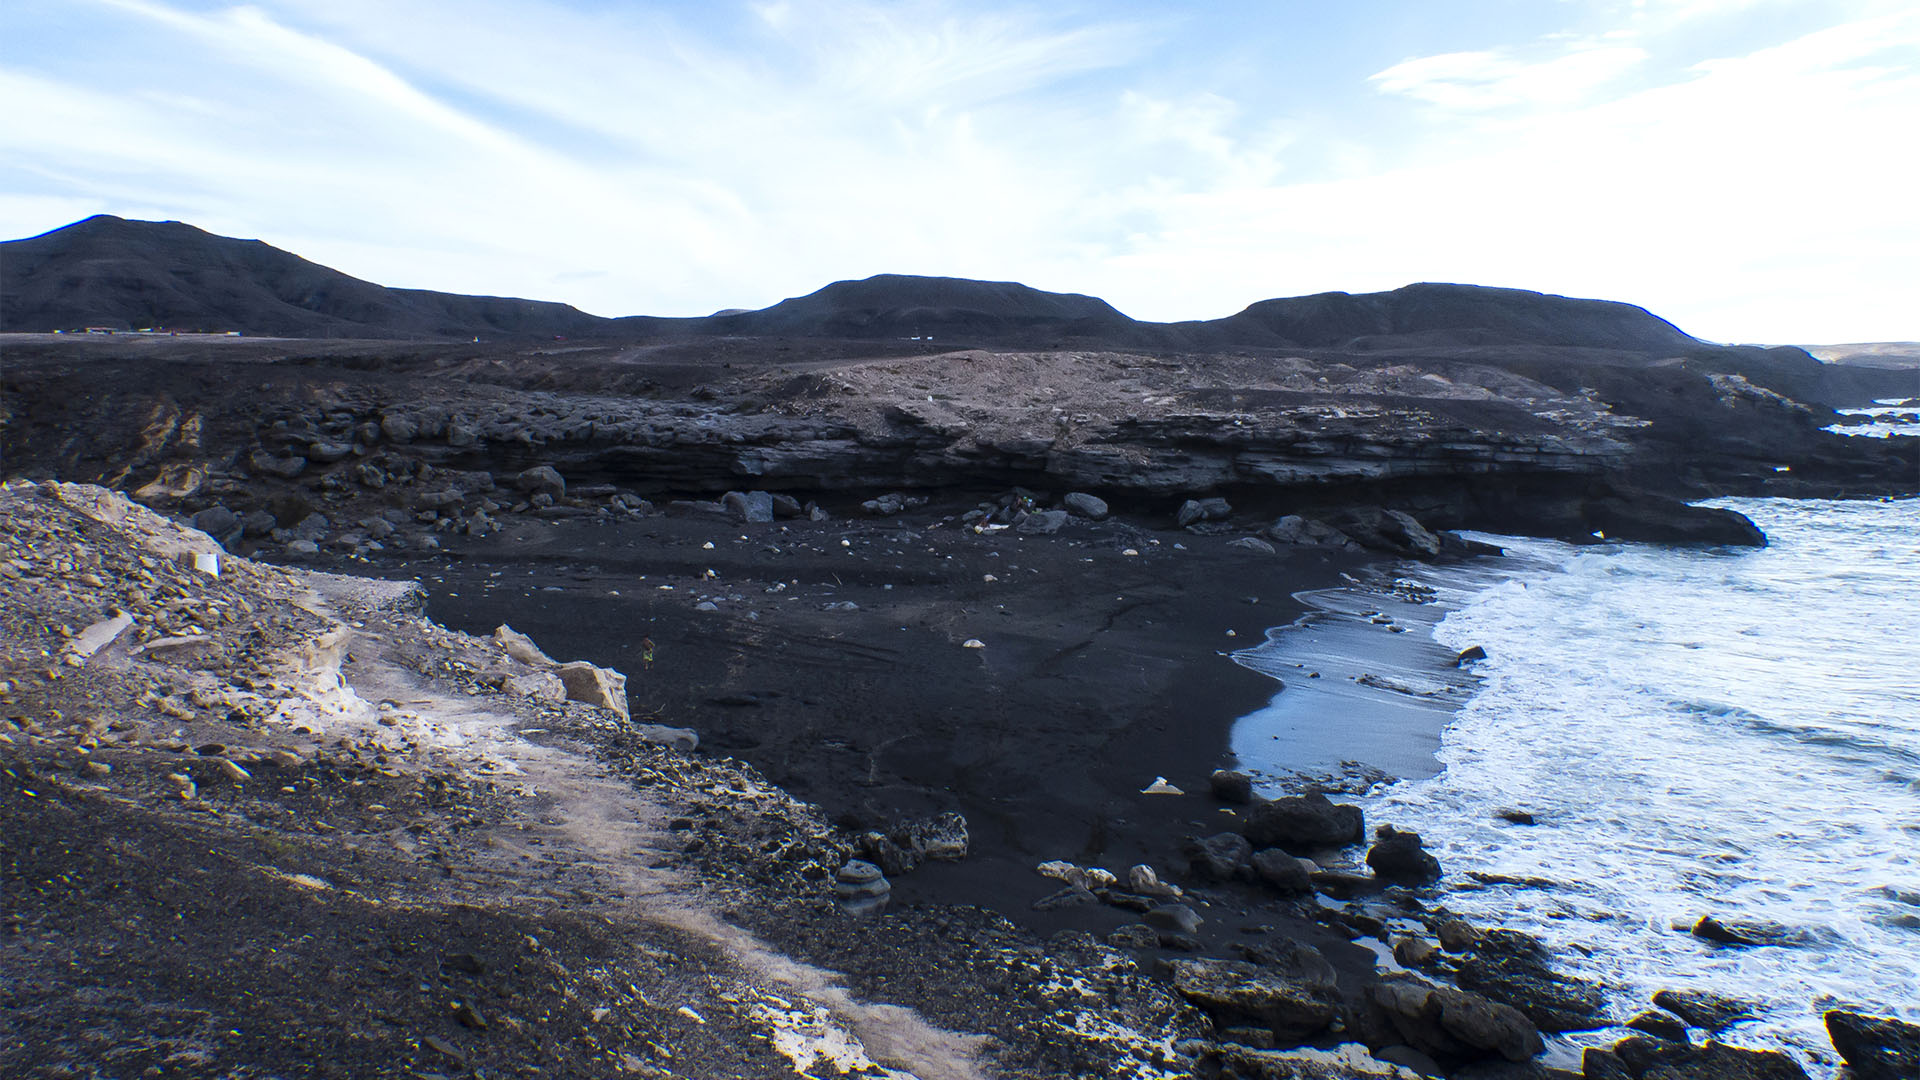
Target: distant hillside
[107,271]
[1881,354]
[1453,315]
[899,305]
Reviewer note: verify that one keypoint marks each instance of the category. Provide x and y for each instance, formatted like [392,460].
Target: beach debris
[1131,552]
[973,643]
[98,636]
[1161,787]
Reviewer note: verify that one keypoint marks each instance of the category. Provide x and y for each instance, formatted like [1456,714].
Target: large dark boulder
[1304,822]
[1221,857]
[1509,966]
[1448,1024]
[1292,1004]
[1875,1047]
[1399,856]
[1662,520]
[1660,1059]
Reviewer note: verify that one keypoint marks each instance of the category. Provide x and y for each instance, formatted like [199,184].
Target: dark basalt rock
[1292,1006]
[1221,857]
[1702,1009]
[1660,1059]
[1304,822]
[1281,872]
[1663,520]
[1875,1047]
[1399,856]
[1512,967]
[1450,1025]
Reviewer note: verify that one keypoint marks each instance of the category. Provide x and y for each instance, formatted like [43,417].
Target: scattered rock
[328,452]
[1134,936]
[541,480]
[1415,952]
[1875,1047]
[1661,1059]
[1221,857]
[1043,522]
[1231,786]
[1296,530]
[1084,505]
[1469,655]
[1399,856]
[1304,822]
[521,647]
[1283,873]
[1177,918]
[1509,966]
[1515,817]
[1071,896]
[1452,1025]
[1658,1024]
[1233,992]
[754,507]
[1253,544]
[594,685]
[1702,1008]
[1195,511]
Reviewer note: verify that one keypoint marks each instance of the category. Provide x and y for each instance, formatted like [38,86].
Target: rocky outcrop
[1449,1025]
[1291,1005]
[1875,1047]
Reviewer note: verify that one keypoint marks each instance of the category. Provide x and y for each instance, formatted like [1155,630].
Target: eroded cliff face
[1516,440]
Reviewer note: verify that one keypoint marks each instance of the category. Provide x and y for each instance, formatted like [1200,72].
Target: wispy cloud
[674,160]
[1493,79]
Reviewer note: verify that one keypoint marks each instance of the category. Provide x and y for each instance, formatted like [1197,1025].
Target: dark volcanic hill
[107,271]
[1449,315]
[901,305]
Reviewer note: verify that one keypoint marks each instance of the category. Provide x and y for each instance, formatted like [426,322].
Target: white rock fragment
[99,636]
[1161,787]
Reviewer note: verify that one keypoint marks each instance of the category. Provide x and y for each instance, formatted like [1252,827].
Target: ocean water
[1733,733]
[1890,417]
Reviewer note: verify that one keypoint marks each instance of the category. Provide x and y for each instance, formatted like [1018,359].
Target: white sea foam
[1725,732]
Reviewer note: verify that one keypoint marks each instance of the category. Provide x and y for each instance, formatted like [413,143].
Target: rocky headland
[799,693]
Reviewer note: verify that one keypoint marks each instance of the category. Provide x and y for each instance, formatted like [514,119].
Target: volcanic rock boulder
[1659,1059]
[595,685]
[1512,967]
[1875,1047]
[1450,1025]
[1292,1006]
[1399,856]
[1221,857]
[1304,822]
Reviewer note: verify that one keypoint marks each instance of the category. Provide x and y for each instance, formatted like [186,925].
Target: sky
[1748,169]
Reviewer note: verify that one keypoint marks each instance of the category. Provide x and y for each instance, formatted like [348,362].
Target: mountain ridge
[114,272]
